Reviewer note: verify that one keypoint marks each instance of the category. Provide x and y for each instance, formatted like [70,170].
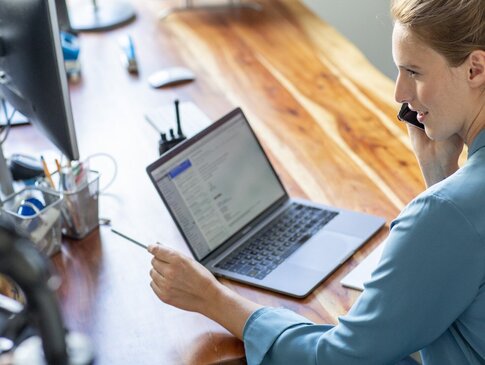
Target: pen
[59,174]
[129,238]
[58,166]
[128,56]
[131,48]
[46,172]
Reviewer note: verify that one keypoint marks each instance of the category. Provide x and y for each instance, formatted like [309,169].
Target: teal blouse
[427,293]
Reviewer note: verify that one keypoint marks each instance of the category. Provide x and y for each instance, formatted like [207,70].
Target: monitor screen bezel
[20,84]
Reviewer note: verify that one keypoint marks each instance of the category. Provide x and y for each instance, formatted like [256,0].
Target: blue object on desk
[70,46]
[30,207]
[128,55]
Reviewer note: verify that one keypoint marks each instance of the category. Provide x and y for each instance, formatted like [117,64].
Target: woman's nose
[403,91]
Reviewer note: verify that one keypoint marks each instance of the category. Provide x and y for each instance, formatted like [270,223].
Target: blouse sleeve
[430,271]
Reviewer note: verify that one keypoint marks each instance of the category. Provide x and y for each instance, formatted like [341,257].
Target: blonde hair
[453,28]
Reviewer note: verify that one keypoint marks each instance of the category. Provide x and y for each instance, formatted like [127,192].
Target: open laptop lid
[217,184]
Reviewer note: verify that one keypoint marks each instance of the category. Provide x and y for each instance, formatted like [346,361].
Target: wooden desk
[323,113]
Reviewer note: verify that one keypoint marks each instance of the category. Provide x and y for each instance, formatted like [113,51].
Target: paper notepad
[362,272]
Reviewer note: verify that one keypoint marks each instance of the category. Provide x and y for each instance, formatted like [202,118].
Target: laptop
[238,220]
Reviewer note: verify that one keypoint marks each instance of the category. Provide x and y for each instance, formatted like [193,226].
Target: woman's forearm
[186,284]
[230,310]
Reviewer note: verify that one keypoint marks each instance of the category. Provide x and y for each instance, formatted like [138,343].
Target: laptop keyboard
[283,236]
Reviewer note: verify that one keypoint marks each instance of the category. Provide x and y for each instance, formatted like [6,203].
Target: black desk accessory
[170,141]
[20,261]
[24,167]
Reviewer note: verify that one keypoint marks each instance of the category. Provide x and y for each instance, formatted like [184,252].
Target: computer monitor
[32,73]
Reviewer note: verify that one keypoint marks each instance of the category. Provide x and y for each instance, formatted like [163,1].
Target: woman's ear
[476,68]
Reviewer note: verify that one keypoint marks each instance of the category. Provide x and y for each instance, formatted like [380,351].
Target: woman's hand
[184,283]
[181,281]
[437,159]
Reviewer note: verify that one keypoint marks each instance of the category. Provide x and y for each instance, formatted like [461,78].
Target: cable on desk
[115,168]
[8,120]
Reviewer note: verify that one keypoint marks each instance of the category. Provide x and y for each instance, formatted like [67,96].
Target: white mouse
[170,76]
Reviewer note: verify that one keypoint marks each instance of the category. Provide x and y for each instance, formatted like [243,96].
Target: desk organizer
[80,208]
[42,226]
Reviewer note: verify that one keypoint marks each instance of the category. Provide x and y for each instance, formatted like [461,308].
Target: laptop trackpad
[325,251]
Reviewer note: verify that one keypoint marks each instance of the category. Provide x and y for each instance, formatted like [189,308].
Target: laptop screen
[218,184]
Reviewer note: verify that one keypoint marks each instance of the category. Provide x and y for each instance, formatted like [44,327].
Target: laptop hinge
[250,229]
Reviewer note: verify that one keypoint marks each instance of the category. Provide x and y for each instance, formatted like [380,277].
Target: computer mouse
[170,76]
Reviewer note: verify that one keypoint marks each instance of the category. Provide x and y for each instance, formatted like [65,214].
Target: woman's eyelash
[411,73]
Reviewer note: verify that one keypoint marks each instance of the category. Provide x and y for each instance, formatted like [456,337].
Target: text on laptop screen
[218,185]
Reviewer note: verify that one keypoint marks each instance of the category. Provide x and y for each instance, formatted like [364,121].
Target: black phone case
[409,116]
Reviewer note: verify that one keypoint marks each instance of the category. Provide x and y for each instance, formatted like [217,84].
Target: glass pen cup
[80,204]
[37,213]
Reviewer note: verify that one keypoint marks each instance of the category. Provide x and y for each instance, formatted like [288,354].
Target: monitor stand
[17,119]
[98,17]
[6,181]
[230,4]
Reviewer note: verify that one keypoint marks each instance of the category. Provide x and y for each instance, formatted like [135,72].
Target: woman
[428,292]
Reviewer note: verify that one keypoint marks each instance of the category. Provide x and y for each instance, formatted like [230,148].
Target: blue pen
[131,48]
[128,56]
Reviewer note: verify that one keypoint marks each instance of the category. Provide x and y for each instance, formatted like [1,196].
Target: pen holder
[37,212]
[80,207]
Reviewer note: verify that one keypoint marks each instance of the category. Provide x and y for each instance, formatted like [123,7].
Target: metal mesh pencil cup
[80,208]
[43,227]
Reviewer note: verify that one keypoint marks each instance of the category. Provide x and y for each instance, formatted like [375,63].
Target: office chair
[40,316]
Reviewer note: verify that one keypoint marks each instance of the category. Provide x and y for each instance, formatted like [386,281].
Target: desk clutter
[31,324]
[70,51]
[171,140]
[37,213]
[64,202]
[79,188]
[168,118]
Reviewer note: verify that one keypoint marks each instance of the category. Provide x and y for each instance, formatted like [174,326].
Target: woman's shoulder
[460,195]
[465,189]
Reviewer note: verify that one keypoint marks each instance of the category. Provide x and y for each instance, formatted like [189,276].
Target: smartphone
[409,116]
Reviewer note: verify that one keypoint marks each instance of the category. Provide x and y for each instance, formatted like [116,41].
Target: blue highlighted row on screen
[179,169]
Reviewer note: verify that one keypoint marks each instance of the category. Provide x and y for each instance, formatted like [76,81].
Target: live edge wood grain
[325,116]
